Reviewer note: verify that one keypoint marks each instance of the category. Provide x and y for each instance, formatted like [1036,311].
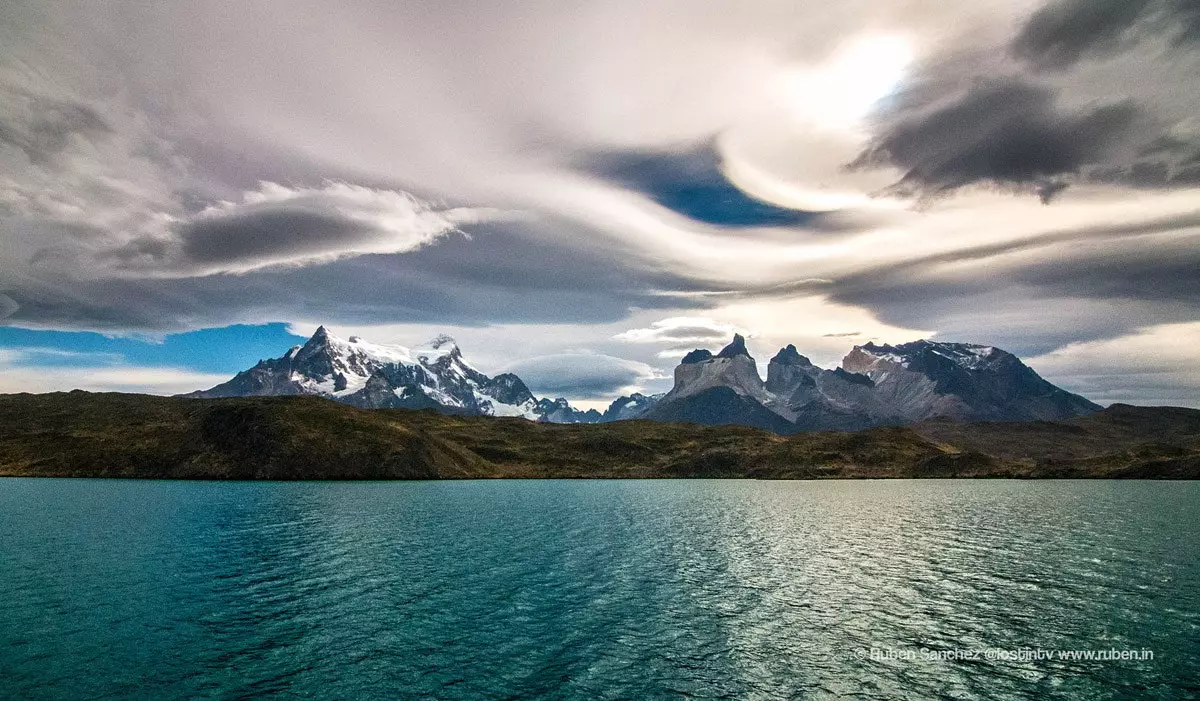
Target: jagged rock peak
[854,377]
[735,348]
[319,338]
[697,356]
[788,355]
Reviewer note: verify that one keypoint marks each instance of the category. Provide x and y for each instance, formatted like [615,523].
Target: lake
[599,589]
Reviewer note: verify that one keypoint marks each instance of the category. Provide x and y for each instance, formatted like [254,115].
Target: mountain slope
[719,389]
[373,376]
[719,406]
[875,386]
[924,379]
[82,434]
[632,406]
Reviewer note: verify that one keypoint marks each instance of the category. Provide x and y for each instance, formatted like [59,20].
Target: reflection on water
[595,589]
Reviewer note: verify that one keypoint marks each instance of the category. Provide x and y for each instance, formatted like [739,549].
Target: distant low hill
[80,434]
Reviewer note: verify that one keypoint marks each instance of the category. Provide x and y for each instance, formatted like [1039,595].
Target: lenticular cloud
[278,226]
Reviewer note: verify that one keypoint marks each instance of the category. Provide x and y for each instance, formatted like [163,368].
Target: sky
[582,192]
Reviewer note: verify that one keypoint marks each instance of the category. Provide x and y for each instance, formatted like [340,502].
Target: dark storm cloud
[1078,237]
[691,182]
[1164,276]
[42,126]
[1060,33]
[1124,280]
[244,238]
[8,306]
[500,274]
[1065,31]
[583,375]
[1162,172]
[1004,133]
[281,226]
[1160,275]
[261,234]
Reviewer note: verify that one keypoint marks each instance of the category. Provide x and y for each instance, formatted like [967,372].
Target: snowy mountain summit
[876,385]
[374,376]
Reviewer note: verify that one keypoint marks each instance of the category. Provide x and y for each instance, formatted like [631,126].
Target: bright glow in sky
[550,183]
[838,94]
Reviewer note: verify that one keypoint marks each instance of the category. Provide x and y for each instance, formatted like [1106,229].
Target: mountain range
[875,385]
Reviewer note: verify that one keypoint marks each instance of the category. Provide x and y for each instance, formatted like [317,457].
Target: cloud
[1042,291]
[42,126]
[1063,32]
[681,329]
[583,375]
[1005,133]
[50,356]
[506,272]
[278,226]
[17,374]
[1151,366]
[668,174]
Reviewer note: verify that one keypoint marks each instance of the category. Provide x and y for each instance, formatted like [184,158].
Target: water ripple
[564,589]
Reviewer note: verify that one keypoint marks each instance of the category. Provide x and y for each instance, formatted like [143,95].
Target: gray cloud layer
[41,126]
[1065,31]
[1006,133]
[584,375]
[458,164]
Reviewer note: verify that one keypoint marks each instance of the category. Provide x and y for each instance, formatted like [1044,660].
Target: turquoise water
[595,589]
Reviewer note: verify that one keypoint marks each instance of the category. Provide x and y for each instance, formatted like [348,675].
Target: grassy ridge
[124,435]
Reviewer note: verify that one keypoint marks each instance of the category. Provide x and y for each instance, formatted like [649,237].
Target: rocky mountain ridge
[875,385]
[373,376]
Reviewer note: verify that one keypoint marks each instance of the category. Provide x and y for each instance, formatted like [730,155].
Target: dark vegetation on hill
[286,438]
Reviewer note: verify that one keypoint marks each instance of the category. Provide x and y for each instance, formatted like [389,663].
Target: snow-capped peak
[443,340]
[439,346]
[374,375]
[968,356]
[376,352]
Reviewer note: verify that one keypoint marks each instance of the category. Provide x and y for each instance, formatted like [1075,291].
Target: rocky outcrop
[633,406]
[876,385]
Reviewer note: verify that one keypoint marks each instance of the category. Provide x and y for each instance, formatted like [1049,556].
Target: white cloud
[144,380]
[680,329]
[382,95]
[584,375]
[279,226]
[1155,366]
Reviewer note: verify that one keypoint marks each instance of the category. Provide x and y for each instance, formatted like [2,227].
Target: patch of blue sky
[217,350]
